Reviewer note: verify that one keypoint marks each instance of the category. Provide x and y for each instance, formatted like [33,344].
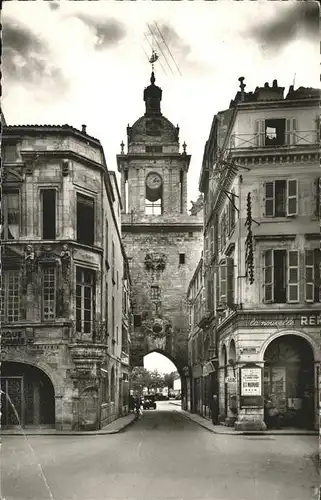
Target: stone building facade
[163,242]
[62,281]
[260,178]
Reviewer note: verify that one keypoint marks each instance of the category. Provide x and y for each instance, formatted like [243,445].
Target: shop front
[276,364]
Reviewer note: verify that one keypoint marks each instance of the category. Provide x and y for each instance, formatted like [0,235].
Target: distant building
[260,178]
[65,282]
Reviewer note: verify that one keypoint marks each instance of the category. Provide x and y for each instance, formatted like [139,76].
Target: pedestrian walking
[214,409]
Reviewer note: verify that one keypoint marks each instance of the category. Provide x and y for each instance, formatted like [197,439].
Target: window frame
[44,268]
[92,199]
[287,199]
[4,211]
[82,284]
[289,283]
[42,190]
[5,296]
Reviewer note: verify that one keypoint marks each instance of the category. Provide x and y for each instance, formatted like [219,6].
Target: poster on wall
[251,379]
[251,386]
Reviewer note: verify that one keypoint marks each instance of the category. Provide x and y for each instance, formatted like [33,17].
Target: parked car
[149,402]
[161,397]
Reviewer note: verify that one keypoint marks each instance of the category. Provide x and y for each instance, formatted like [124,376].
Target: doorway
[27,396]
[289,380]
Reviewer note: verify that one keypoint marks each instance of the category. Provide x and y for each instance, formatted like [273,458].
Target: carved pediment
[12,175]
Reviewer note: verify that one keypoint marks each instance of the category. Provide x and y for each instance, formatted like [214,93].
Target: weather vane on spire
[153,58]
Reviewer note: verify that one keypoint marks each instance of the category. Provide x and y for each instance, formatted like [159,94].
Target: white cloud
[105,88]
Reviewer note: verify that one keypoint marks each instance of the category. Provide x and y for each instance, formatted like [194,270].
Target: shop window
[85,300]
[10,296]
[49,289]
[281,198]
[11,210]
[181,258]
[85,219]
[48,197]
[104,388]
[312,275]
[281,276]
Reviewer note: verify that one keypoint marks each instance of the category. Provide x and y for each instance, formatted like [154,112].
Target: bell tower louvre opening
[27,396]
[157,231]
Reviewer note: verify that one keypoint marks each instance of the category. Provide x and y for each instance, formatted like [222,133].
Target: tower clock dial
[154,181]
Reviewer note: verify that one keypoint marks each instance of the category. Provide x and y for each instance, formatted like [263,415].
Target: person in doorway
[214,409]
[271,414]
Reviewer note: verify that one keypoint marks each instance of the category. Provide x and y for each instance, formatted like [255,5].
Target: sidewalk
[114,427]
[222,429]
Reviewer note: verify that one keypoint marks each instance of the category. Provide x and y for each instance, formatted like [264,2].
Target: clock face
[154,181]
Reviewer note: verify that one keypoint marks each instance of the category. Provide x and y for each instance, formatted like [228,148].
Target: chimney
[266,85]
[83,129]
[275,84]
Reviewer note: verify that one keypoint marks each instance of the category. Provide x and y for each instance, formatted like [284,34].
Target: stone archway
[289,379]
[28,396]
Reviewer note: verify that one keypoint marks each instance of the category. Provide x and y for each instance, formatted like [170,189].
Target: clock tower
[163,241]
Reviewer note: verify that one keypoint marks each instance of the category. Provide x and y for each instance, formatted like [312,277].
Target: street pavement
[162,456]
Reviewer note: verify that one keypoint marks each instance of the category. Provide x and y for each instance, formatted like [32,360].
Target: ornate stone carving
[29,255]
[155,262]
[65,167]
[65,256]
[197,205]
[29,167]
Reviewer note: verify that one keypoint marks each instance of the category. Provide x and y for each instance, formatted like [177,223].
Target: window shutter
[317,262]
[268,276]
[206,249]
[269,199]
[309,276]
[217,288]
[317,183]
[212,228]
[293,276]
[318,130]
[230,281]
[290,131]
[223,283]
[292,197]
[259,133]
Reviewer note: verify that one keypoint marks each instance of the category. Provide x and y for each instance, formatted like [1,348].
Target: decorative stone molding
[65,167]
[65,257]
[30,165]
[87,359]
[155,262]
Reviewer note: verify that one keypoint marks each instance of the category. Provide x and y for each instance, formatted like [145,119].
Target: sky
[156,361]
[87,63]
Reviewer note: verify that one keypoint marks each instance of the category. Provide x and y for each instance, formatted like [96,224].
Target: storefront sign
[251,382]
[13,337]
[272,323]
[249,350]
[310,320]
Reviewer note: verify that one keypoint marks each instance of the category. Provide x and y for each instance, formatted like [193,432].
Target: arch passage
[27,396]
[289,380]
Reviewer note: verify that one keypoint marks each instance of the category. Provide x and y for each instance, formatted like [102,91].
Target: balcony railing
[260,140]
